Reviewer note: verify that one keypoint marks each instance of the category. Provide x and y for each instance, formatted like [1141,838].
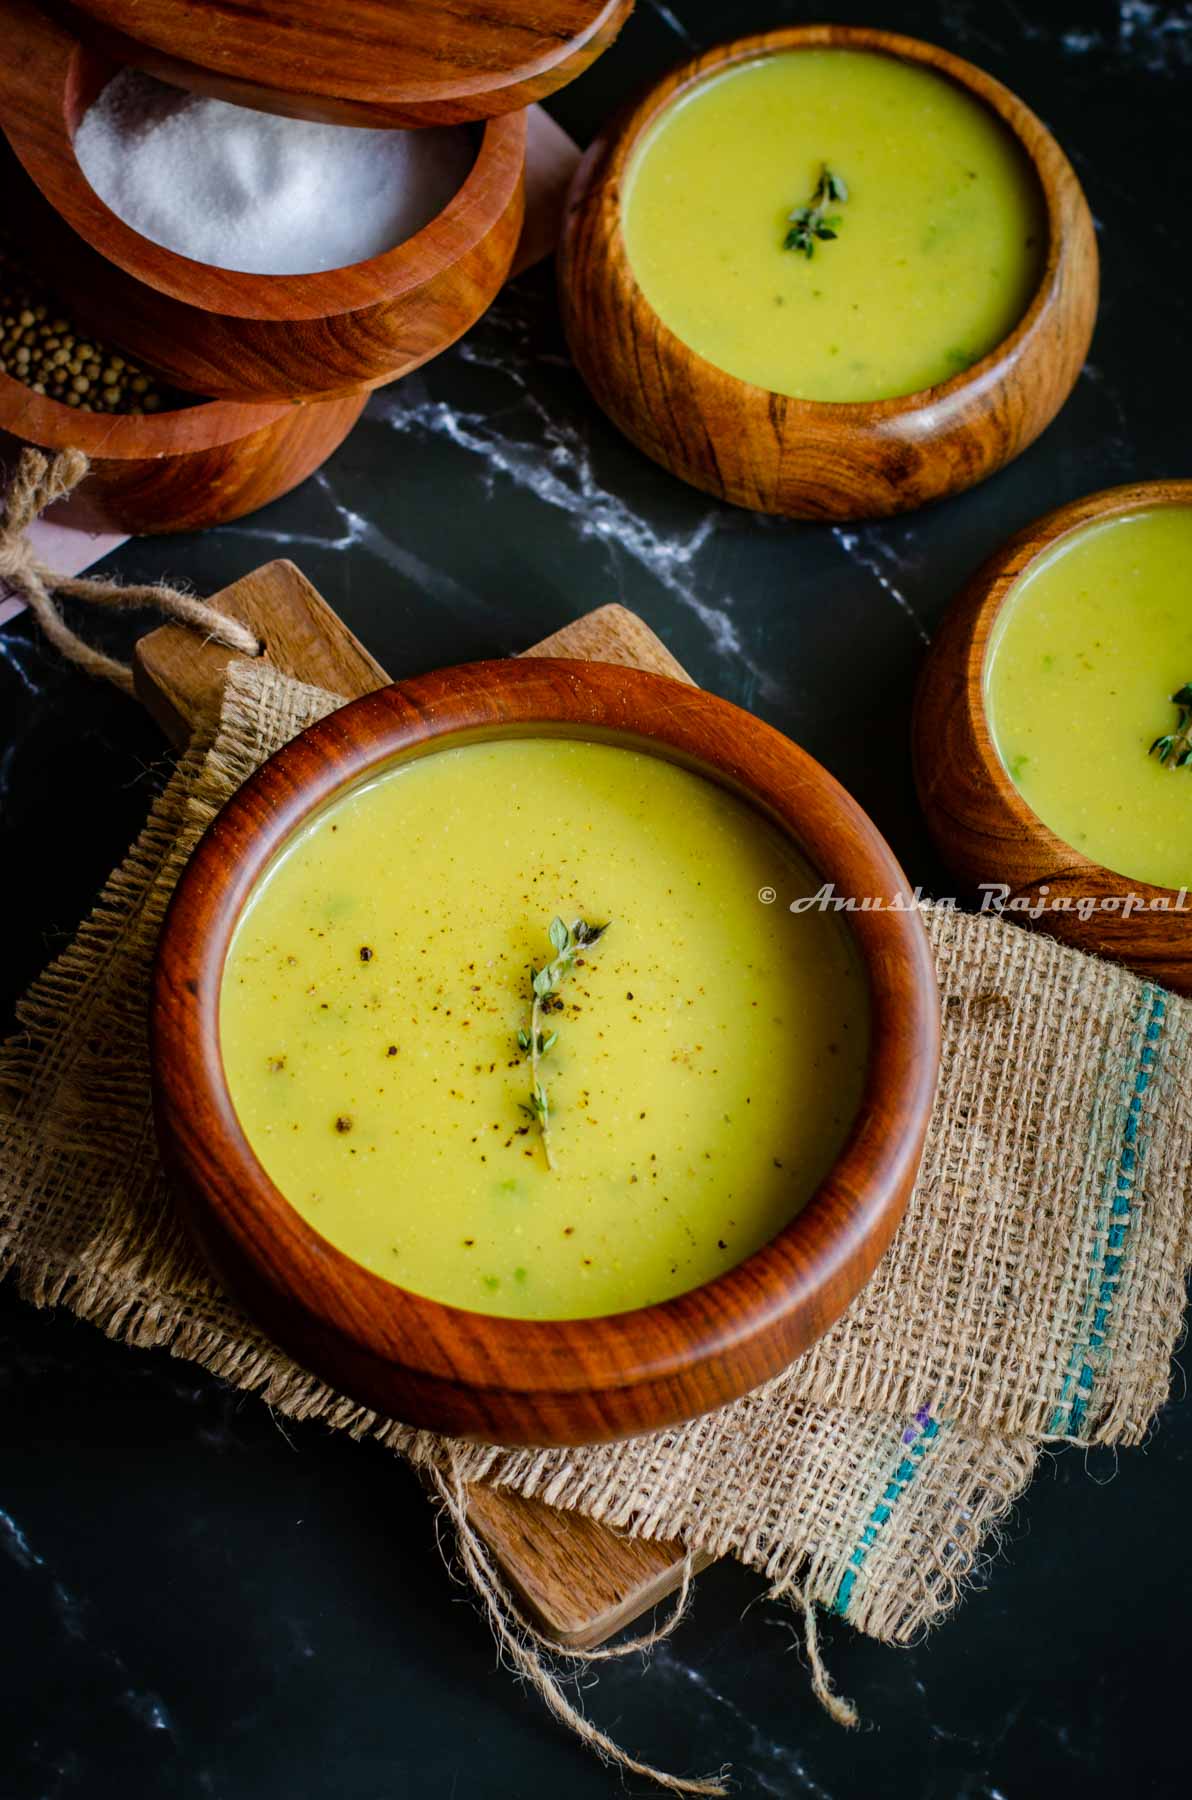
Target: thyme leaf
[1175,749]
[534,1041]
[810,224]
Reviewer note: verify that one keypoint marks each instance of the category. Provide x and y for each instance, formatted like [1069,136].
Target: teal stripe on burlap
[1093,1349]
[915,1441]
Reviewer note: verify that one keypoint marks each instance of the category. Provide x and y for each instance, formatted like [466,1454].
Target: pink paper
[64,548]
[551,160]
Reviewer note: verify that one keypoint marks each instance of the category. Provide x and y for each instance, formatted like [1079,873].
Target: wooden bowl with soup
[828,271]
[509,1073]
[1053,729]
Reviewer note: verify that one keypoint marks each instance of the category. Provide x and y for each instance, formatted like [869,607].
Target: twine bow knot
[39,481]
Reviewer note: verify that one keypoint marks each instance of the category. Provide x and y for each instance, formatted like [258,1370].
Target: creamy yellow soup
[1089,648]
[939,242]
[710,1049]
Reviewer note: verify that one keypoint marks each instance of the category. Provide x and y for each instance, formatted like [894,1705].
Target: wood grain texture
[613,634]
[531,1381]
[363,62]
[982,826]
[177,471]
[808,459]
[221,332]
[576,1580]
[180,677]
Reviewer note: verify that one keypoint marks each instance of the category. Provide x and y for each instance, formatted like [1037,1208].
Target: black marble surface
[198,1600]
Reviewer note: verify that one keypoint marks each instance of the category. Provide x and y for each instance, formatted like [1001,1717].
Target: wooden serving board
[576,1580]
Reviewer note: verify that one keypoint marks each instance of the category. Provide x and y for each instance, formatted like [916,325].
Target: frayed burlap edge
[133,1272]
[1037,1283]
[1006,1302]
[890,1555]
[882,1521]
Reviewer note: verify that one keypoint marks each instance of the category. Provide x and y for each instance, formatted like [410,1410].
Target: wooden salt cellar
[231,335]
[259,343]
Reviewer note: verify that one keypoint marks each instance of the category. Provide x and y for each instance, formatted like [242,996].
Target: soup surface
[1089,648]
[939,245]
[710,1053]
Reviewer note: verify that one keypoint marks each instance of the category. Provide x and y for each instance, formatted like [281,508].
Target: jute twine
[1033,1291]
[526,1651]
[38,483]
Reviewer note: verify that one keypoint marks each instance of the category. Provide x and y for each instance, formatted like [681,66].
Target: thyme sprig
[1175,750]
[807,223]
[567,941]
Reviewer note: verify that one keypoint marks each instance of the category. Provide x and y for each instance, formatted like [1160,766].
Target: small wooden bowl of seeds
[160,460]
[43,348]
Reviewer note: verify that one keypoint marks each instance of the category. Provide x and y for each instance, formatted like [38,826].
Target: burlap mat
[1034,1289]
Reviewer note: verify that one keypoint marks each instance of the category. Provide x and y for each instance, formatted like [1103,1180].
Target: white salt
[240,189]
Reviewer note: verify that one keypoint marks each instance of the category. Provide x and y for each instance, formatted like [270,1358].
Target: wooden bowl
[509,1380]
[816,459]
[363,62]
[983,828]
[238,336]
[177,471]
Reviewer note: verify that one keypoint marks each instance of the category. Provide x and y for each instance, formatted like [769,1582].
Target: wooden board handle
[180,677]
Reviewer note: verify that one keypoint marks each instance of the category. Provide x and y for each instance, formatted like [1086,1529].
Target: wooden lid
[420,62]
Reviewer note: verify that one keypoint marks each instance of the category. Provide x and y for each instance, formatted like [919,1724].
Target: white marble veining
[356,533]
[13,651]
[1157,39]
[546,451]
[17,1545]
[142,1703]
[671,20]
[872,551]
[771,1765]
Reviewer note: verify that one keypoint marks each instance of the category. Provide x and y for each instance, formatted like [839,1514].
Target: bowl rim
[818,1261]
[49,424]
[76,72]
[989,592]
[1042,151]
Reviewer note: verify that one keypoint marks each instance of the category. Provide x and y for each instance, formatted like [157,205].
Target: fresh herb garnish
[567,943]
[1175,749]
[807,223]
